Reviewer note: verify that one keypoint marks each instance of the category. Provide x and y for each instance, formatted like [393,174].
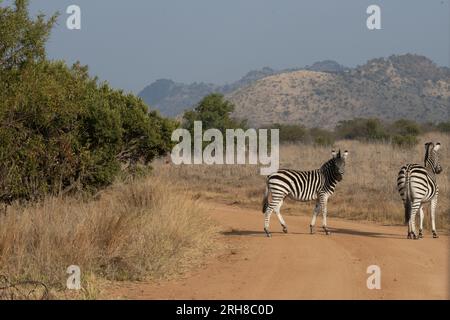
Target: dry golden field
[133,231]
[156,227]
[367,192]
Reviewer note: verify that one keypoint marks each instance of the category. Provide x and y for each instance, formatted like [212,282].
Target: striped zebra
[316,185]
[417,185]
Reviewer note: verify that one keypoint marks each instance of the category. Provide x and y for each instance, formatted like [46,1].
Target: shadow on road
[251,233]
[366,233]
[254,233]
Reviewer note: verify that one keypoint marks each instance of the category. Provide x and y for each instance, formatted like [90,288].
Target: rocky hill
[406,86]
[172,98]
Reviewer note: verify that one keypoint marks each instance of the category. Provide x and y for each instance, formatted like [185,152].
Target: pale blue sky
[132,43]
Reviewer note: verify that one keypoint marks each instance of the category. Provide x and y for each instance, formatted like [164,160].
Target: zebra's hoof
[311,230]
[409,235]
[435,235]
[327,232]
[268,234]
[412,235]
[420,235]
[285,230]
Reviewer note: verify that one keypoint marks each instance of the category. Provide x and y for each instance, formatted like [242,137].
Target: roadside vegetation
[71,190]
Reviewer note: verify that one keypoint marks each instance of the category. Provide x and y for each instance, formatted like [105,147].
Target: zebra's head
[338,164]
[432,157]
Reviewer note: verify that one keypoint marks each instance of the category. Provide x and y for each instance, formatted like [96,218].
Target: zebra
[303,186]
[417,185]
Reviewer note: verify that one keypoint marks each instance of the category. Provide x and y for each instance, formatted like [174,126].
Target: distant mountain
[172,98]
[401,86]
[327,66]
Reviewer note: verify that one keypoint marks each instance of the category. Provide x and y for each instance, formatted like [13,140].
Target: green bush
[361,129]
[405,141]
[405,127]
[321,137]
[291,132]
[61,130]
[444,127]
[214,111]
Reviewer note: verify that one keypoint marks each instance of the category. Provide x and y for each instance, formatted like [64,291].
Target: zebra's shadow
[343,231]
[352,232]
[254,233]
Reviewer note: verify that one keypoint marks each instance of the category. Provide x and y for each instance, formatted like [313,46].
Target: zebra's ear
[334,153]
[437,146]
[345,154]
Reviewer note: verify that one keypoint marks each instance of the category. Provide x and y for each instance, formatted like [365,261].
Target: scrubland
[367,192]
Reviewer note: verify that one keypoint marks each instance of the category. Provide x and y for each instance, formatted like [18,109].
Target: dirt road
[298,265]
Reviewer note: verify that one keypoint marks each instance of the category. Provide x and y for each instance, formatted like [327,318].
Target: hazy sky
[132,43]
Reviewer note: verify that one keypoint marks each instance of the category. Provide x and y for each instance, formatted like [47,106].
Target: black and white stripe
[417,185]
[316,185]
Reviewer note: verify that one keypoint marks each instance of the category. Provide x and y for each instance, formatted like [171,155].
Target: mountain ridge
[406,86]
[173,98]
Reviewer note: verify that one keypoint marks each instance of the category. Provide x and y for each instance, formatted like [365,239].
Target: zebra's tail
[408,196]
[265,202]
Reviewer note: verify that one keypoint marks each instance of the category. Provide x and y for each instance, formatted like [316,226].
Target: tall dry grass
[367,192]
[138,230]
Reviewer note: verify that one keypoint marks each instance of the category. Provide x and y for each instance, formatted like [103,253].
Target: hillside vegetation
[173,98]
[400,87]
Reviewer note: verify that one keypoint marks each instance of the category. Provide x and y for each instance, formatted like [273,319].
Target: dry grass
[368,191]
[153,228]
[132,231]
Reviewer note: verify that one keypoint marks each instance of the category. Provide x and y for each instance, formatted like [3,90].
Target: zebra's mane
[430,156]
[427,152]
[328,164]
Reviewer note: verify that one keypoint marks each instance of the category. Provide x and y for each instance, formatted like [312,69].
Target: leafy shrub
[362,129]
[444,127]
[214,112]
[405,141]
[291,132]
[405,127]
[60,129]
[321,137]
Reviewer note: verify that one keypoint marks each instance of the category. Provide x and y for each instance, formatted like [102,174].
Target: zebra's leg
[421,215]
[433,216]
[267,215]
[323,206]
[409,227]
[414,208]
[280,218]
[314,217]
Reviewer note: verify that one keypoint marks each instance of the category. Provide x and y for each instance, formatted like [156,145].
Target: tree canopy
[61,129]
[215,112]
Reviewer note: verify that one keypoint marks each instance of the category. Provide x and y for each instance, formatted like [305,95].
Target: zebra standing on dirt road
[303,186]
[417,185]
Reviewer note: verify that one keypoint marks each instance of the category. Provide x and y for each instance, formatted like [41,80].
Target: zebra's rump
[414,182]
[298,185]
